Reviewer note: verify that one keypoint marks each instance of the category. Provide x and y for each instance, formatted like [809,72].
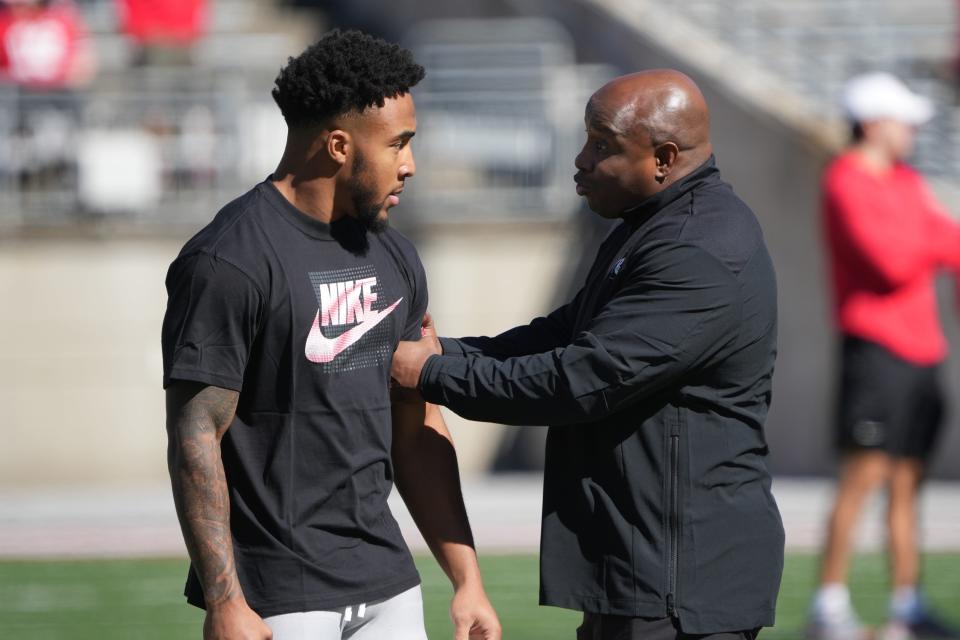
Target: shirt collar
[704,174]
[299,219]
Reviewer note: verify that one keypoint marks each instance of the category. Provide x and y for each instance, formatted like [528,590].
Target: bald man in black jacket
[655,380]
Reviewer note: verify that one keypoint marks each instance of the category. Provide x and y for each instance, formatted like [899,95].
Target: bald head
[663,104]
[657,121]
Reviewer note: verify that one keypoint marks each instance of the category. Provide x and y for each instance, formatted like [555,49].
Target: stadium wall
[80,360]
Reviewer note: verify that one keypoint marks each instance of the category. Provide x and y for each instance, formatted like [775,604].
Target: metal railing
[147,157]
[500,118]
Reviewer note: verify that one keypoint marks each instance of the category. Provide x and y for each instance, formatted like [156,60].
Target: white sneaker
[894,630]
[926,625]
[847,627]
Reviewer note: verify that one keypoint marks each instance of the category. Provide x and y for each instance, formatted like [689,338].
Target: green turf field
[140,599]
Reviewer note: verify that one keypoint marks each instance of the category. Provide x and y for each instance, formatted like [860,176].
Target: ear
[666,155]
[338,145]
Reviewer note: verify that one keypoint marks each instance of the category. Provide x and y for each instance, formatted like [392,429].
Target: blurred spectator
[164,32]
[887,237]
[43,45]
[45,54]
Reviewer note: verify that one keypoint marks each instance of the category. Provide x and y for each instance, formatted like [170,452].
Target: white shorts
[397,618]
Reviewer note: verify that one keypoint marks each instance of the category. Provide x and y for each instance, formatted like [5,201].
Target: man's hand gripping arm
[428,479]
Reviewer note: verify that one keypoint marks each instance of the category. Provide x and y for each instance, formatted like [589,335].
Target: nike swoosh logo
[321,349]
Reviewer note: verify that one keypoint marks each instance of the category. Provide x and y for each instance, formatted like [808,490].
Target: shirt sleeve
[542,334]
[944,231]
[213,313]
[872,230]
[419,298]
[678,310]
[4,59]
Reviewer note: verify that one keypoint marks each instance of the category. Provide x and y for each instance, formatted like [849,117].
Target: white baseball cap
[881,96]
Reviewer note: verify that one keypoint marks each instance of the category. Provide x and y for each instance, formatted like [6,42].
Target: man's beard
[365,200]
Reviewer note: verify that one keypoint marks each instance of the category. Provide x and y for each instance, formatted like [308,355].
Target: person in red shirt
[163,32]
[46,58]
[43,46]
[887,238]
[174,22]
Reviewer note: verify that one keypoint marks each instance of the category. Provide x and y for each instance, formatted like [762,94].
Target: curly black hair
[344,71]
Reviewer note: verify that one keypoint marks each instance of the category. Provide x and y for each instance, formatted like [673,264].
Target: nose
[408,168]
[582,161]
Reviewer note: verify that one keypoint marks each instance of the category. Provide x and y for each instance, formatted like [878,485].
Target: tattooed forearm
[197,418]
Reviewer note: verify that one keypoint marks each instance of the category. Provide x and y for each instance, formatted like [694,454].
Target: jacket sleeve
[542,334]
[676,311]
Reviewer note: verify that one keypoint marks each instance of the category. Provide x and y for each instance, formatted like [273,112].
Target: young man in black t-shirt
[282,318]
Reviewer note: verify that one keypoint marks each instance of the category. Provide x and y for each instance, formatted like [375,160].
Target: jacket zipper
[674,524]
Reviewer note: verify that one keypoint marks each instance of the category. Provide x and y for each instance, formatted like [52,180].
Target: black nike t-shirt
[302,319]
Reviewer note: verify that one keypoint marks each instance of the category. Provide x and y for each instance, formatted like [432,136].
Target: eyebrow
[406,135]
[603,128]
[595,121]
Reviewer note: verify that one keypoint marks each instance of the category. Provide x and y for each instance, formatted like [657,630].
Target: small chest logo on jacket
[348,331]
[617,267]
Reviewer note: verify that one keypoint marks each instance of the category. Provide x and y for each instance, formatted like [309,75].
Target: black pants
[603,627]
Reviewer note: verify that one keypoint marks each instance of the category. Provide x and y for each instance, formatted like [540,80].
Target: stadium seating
[815,45]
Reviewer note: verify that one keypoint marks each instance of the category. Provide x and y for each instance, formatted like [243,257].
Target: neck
[688,162]
[657,199]
[873,157]
[309,188]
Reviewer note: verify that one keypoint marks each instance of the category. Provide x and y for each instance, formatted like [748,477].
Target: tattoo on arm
[197,418]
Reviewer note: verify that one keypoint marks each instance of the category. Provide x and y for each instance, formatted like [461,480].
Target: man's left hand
[409,358]
[473,616]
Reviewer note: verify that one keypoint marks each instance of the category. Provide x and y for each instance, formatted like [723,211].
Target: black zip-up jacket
[655,381]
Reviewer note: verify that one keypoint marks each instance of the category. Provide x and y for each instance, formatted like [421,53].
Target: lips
[582,186]
[394,198]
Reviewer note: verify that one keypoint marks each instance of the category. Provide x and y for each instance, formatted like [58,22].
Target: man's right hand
[234,620]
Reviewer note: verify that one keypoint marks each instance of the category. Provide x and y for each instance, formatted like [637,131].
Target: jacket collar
[704,174]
